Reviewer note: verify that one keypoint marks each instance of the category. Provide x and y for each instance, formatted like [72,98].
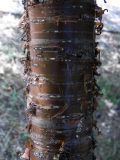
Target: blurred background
[12,99]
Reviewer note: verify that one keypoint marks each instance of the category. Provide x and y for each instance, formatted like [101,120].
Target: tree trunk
[60,68]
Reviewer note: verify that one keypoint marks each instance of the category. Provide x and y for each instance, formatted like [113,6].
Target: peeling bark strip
[60,67]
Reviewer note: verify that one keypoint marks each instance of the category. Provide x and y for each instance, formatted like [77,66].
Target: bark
[60,67]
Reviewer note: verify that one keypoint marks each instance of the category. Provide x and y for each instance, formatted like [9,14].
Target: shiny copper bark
[60,67]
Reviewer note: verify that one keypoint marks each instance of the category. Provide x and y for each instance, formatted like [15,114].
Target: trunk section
[60,65]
